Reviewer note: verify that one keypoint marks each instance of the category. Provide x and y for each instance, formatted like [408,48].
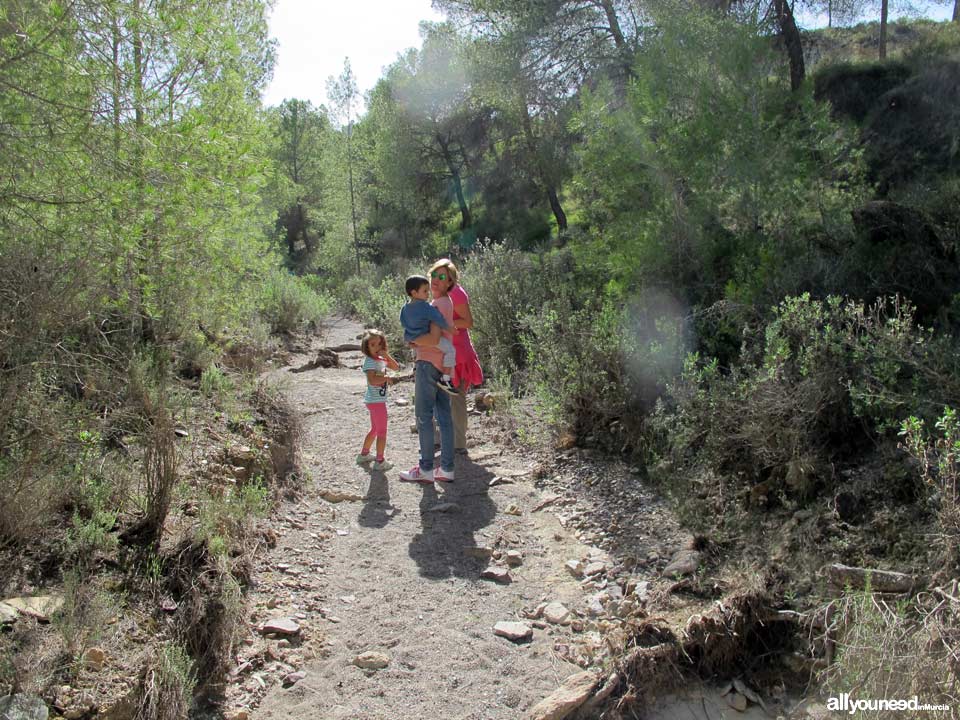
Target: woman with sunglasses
[450,411]
[443,283]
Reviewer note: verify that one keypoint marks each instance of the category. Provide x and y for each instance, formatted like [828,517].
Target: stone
[23,707]
[337,496]
[513,509]
[594,568]
[242,714]
[480,552]
[94,659]
[181,432]
[371,660]
[513,631]
[41,607]
[574,692]
[737,701]
[496,573]
[293,678]
[446,507]
[596,603]
[514,558]
[556,613]
[240,454]
[575,568]
[123,709]
[683,563]
[8,614]
[280,626]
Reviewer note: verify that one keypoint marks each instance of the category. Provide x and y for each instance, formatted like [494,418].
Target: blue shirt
[416,316]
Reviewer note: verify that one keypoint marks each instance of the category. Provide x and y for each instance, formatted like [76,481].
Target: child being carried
[418,318]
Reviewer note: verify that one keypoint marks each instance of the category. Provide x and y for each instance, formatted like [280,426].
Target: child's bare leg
[367,442]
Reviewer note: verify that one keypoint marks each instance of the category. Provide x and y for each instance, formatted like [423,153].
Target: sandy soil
[394,569]
[389,574]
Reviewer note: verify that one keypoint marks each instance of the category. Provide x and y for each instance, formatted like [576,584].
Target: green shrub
[821,377]
[166,689]
[506,285]
[378,305]
[196,355]
[289,305]
[939,458]
[215,384]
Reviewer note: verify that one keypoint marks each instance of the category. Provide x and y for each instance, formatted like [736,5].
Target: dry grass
[895,649]
[166,686]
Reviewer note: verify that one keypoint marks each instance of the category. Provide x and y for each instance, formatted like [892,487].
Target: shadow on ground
[377,510]
[440,549]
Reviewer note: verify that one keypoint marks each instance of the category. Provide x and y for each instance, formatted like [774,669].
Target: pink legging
[378,419]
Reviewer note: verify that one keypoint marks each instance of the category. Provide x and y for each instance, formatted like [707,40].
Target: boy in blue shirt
[418,318]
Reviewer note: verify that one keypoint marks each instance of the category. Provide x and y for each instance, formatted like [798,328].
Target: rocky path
[377,588]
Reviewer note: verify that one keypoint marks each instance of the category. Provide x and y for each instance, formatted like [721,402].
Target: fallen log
[884,581]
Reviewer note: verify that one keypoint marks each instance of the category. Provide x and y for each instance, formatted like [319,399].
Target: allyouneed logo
[847,704]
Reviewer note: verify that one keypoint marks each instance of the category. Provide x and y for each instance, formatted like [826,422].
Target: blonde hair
[367,337]
[448,264]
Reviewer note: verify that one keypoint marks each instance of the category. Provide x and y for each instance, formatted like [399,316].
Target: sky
[314,37]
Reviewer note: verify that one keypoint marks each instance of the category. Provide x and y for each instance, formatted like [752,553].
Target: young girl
[375,363]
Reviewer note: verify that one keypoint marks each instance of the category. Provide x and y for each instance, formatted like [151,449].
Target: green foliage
[216,384]
[226,514]
[289,304]
[939,458]
[166,688]
[713,177]
[822,377]
[86,609]
[378,304]
[504,285]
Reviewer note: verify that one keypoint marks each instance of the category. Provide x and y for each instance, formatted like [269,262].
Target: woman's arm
[465,321]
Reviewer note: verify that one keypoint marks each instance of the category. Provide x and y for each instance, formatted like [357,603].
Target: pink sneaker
[443,476]
[415,474]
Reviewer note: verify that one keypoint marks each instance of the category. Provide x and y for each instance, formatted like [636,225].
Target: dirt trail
[396,570]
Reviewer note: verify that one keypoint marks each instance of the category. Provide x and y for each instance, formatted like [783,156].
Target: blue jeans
[430,400]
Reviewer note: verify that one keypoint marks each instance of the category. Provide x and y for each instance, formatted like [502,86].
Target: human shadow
[442,547]
[377,510]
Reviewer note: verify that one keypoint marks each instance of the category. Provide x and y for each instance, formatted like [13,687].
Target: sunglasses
[438,275]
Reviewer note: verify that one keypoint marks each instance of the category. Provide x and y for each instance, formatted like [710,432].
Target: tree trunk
[558,212]
[956,10]
[353,205]
[791,40]
[465,219]
[883,29]
[613,23]
[552,197]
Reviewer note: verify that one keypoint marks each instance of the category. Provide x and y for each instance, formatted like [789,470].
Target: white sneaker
[415,474]
[443,476]
[383,465]
[364,459]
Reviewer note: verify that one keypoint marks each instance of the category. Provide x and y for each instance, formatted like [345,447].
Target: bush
[289,305]
[939,458]
[895,651]
[166,688]
[821,377]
